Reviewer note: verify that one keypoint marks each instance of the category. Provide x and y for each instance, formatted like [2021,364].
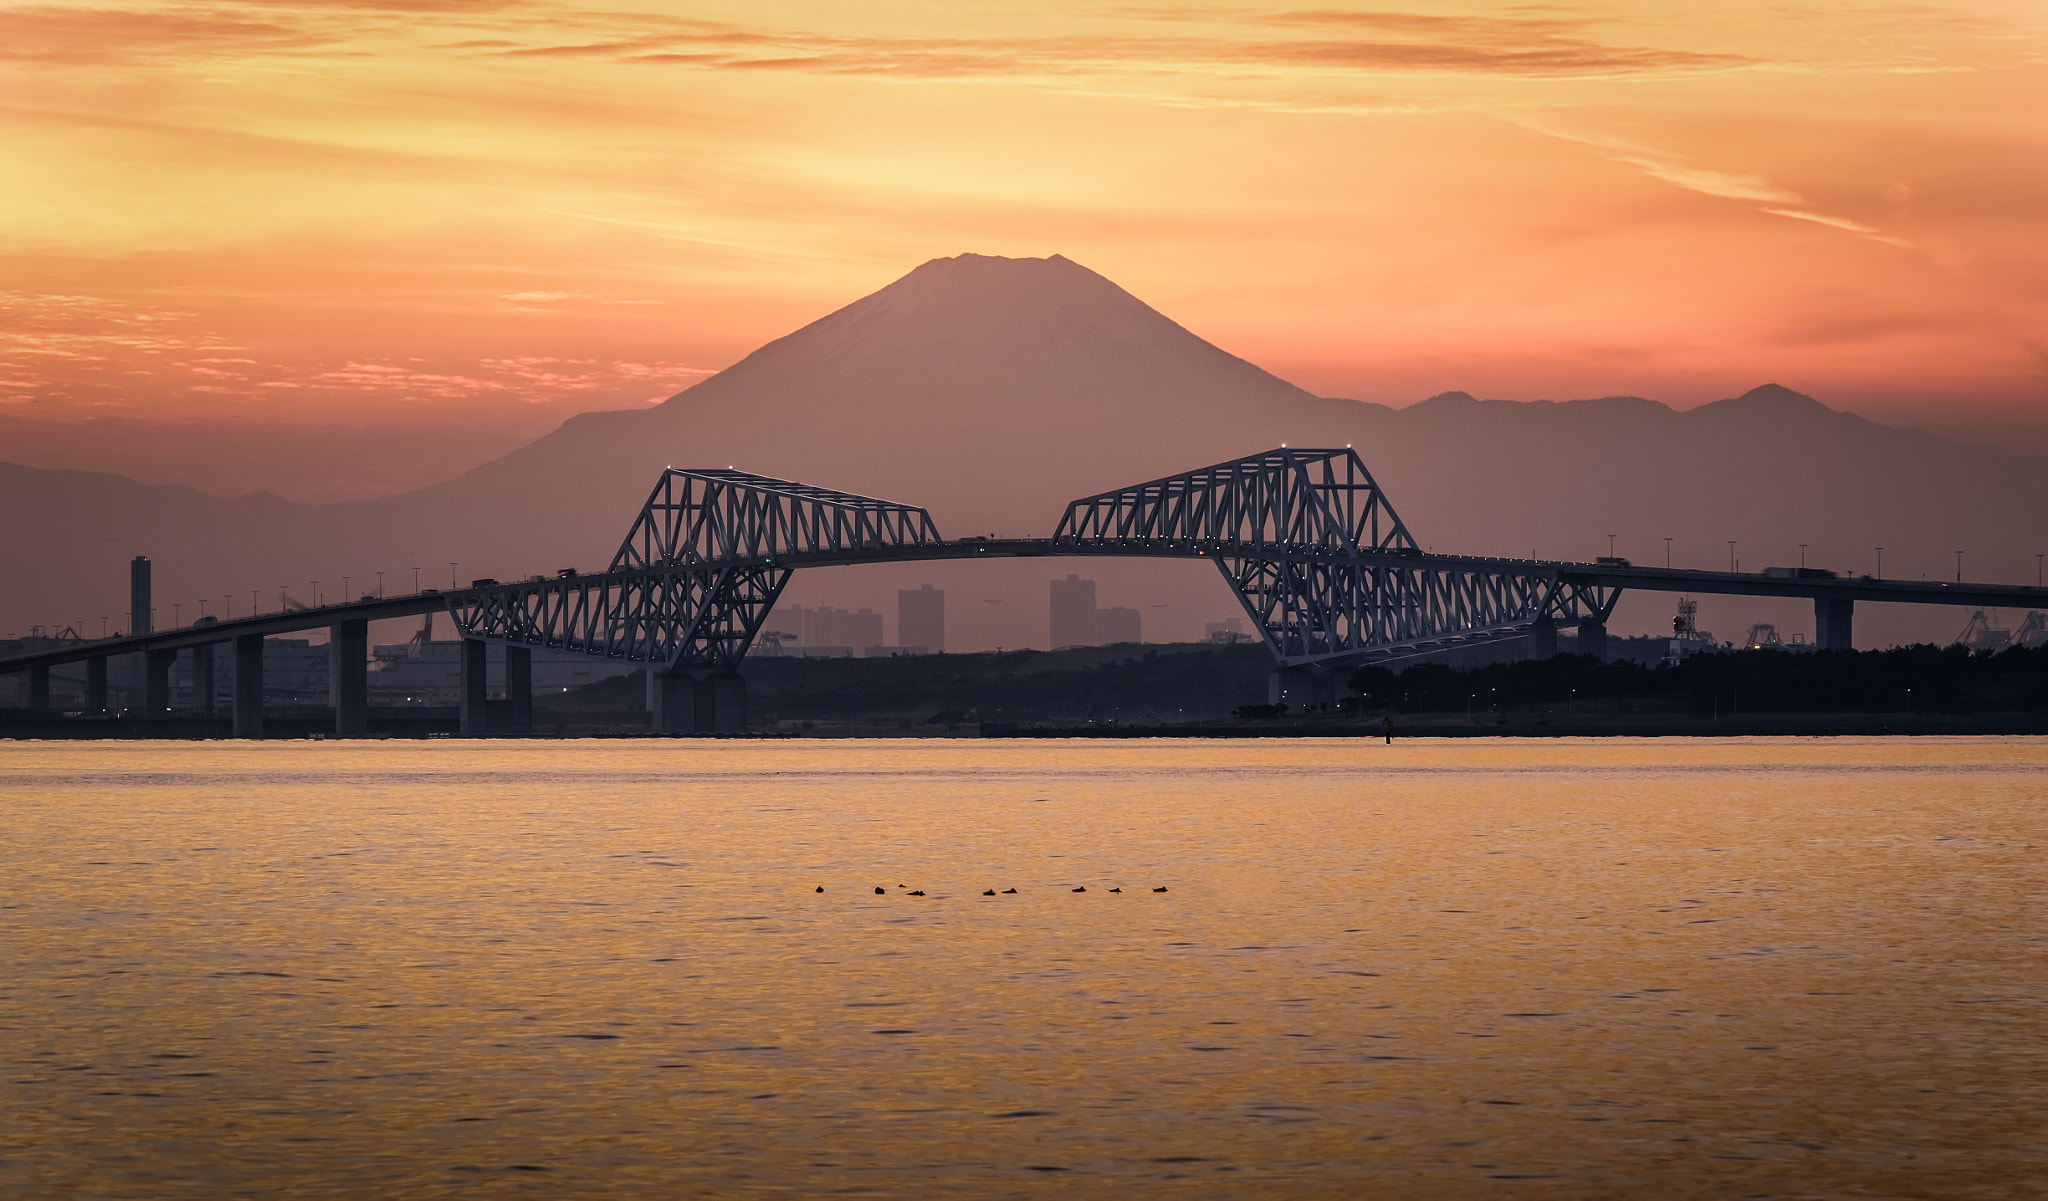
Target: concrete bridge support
[96,684]
[1543,638]
[39,689]
[715,704]
[156,683]
[674,703]
[1831,624]
[248,685]
[1301,690]
[474,688]
[202,679]
[1593,637]
[348,676]
[728,703]
[519,687]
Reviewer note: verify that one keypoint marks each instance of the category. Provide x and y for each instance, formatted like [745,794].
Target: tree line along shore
[1226,689]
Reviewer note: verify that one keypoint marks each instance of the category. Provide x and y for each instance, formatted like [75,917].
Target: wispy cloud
[76,35]
[1322,42]
[86,349]
[1674,169]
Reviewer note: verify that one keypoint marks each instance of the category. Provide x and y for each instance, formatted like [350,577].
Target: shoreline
[1786,725]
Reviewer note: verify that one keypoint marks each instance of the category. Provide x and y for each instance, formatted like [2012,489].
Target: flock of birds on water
[987,892]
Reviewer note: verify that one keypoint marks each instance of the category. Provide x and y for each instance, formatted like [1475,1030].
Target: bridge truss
[1322,564]
[697,573]
[1307,540]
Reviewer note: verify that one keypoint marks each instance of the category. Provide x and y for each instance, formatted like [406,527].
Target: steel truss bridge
[1307,541]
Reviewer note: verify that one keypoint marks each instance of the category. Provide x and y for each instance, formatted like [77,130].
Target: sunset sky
[479,213]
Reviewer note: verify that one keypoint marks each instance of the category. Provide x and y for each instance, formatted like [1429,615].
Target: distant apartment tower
[921,618]
[1116,625]
[1073,612]
[827,626]
[786,621]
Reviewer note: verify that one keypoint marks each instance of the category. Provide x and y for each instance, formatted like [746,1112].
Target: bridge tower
[1323,566]
[699,569]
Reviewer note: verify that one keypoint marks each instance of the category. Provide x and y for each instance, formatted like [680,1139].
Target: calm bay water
[1787,968]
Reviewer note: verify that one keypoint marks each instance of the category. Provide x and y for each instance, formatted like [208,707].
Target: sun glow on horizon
[505,213]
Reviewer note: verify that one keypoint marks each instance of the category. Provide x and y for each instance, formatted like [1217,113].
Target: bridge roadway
[1833,597]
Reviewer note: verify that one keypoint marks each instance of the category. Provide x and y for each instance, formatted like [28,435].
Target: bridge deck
[1655,579]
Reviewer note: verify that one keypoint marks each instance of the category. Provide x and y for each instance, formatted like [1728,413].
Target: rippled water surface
[1603,968]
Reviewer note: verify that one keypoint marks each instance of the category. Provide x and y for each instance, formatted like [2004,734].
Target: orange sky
[467,212]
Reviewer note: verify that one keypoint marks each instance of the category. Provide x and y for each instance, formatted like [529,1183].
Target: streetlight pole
[1959,567]
[1610,546]
[1880,562]
[415,581]
[344,588]
[451,575]
[1802,556]
[1667,554]
[1731,554]
[380,585]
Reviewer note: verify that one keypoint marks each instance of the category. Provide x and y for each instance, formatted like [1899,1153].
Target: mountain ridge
[993,390]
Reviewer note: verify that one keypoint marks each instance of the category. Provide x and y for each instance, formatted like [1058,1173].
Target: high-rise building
[1115,625]
[827,626]
[921,618]
[785,620]
[1073,612]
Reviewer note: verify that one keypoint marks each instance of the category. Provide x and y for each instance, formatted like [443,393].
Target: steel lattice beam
[697,572]
[1315,554]
[703,516]
[1308,542]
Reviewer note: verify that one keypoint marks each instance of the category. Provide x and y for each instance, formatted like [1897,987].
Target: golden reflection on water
[565,969]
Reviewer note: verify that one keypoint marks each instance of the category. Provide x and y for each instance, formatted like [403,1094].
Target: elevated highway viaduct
[1313,552]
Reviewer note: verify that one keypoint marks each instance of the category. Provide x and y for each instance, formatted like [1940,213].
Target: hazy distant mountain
[990,390]
[234,457]
[994,390]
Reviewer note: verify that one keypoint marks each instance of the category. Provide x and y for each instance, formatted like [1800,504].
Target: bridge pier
[674,703]
[519,687]
[248,685]
[39,689]
[1831,624]
[156,683]
[96,684]
[474,688]
[1543,638]
[685,704]
[348,676]
[1593,637]
[1301,690]
[202,679]
[728,704]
